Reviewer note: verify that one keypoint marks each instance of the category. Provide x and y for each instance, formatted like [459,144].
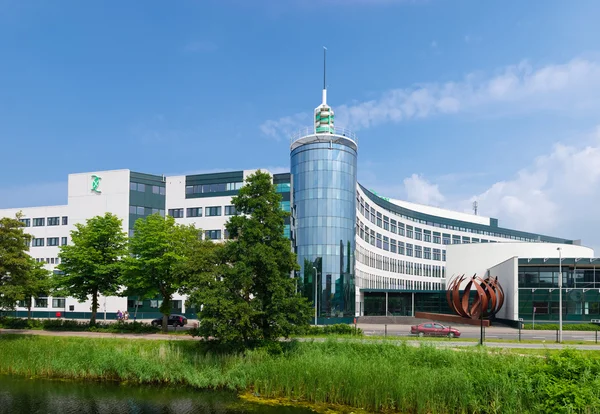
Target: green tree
[92,264]
[159,250]
[21,278]
[251,296]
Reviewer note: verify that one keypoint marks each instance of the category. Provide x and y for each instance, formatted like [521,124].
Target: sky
[452,101]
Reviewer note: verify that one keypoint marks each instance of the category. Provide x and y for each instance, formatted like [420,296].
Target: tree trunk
[29,311]
[165,308]
[94,307]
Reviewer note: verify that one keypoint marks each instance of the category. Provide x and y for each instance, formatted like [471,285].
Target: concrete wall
[507,272]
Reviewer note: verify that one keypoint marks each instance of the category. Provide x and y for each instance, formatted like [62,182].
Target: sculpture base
[451,319]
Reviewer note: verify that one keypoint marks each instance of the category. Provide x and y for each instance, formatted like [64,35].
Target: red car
[434,329]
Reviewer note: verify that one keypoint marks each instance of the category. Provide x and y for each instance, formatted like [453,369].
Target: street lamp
[560,282]
[316,277]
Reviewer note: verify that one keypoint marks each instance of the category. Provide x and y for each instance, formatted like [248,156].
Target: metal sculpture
[488,300]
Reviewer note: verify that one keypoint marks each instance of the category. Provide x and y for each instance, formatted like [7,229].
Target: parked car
[434,329]
[174,320]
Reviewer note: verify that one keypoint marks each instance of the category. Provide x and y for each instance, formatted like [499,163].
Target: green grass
[374,376]
[566,327]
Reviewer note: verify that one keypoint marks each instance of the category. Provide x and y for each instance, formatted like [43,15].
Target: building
[359,253]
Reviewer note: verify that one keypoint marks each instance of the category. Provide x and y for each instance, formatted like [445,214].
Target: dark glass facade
[324,220]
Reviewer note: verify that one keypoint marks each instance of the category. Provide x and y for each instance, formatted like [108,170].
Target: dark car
[434,329]
[174,320]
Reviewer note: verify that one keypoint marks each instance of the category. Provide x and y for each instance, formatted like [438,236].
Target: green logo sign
[375,192]
[96,184]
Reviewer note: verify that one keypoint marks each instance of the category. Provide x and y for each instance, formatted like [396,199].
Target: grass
[376,377]
[566,327]
[70,325]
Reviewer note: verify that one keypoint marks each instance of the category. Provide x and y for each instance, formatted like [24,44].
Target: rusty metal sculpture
[489,296]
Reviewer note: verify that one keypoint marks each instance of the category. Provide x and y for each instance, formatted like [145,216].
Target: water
[23,396]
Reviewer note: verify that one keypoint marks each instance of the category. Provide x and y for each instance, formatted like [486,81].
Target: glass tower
[323,175]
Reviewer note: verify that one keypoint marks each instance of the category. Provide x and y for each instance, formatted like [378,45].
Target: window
[409,249]
[155,189]
[427,253]
[393,246]
[63,241]
[446,238]
[137,187]
[52,241]
[436,254]
[53,221]
[283,205]
[379,220]
[65,220]
[58,302]
[212,234]
[409,232]
[176,212]
[213,211]
[393,229]
[436,238]
[283,188]
[379,244]
[194,212]
[466,239]
[139,211]
[38,242]
[26,222]
[418,251]
[455,239]
[418,234]
[162,190]
[386,243]
[214,188]
[401,229]
[427,235]
[39,222]
[443,255]
[400,247]
[41,302]
[230,210]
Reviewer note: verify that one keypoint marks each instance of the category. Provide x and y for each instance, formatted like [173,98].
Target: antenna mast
[324,66]
[475,205]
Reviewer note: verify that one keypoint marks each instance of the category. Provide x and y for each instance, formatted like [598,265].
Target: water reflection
[22,396]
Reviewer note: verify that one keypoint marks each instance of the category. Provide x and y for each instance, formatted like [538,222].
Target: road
[491,333]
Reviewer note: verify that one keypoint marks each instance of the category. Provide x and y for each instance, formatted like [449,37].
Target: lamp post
[560,282]
[316,277]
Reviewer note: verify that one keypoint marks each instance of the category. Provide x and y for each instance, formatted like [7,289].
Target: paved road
[491,333]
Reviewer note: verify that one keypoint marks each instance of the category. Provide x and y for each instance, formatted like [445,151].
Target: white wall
[470,259]
[441,212]
[507,272]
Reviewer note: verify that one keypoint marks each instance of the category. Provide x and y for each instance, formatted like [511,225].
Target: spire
[323,113]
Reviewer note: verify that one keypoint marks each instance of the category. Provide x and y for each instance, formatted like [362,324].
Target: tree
[158,251]
[92,264]
[21,278]
[252,295]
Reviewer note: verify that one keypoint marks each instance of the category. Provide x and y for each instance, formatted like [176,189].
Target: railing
[310,131]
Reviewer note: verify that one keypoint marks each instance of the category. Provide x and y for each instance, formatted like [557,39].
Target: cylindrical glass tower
[323,169]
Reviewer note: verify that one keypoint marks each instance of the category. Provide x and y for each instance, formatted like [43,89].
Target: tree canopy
[250,294]
[91,265]
[20,276]
[159,251]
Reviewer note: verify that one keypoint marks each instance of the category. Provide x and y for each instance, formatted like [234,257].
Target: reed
[377,377]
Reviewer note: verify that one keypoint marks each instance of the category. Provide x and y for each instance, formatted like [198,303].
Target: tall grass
[375,377]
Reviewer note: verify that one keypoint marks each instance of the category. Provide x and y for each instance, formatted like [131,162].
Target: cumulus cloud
[420,191]
[568,87]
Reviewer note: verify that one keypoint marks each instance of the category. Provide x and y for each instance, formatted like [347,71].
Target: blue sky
[452,100]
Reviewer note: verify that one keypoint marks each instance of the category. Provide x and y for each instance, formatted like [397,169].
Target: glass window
[230,210]
[162,190]
[39,222]
[443,255]
[409,232]
[133,186]
[212,234]
[386,243]
[63,241]
[409,249]
[393,228]
[455,239]
[213,211]
[427,253]
[26,222]
[280,188]
[283,205]
[38,242]
[194,212]
[400,247]
[393,246]
[418,234]
[176,212]
[65,220]
[427,236]
[139,211]
[418,251]
[41,302]
[155,189]
[58,302]
[53,221]
[436,254]
[466,239]
[52,241]
[141,187]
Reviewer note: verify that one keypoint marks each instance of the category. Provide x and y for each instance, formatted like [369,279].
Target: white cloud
[419,190]
[522,88]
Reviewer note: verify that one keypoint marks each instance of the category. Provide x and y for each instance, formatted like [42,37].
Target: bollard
[519,331]
[557,336]
[596,335]
[385,330]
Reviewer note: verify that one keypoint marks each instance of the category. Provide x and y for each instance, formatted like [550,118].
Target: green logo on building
[96,184]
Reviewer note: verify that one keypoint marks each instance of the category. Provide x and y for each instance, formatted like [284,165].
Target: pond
[24,396]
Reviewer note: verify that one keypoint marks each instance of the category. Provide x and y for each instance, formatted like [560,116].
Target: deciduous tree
[92,263]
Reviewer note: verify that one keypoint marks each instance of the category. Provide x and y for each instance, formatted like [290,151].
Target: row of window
[283,187]
[50,241]
[375,217]
[41,221]
[369,281]
[197,211]
[143,187]
[48,260]
[390,264]
[212,188]
[43,303]
[397,246]
[145,211]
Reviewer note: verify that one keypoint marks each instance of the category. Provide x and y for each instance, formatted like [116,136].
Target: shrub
[71,325]
[336,329]
[566,327]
